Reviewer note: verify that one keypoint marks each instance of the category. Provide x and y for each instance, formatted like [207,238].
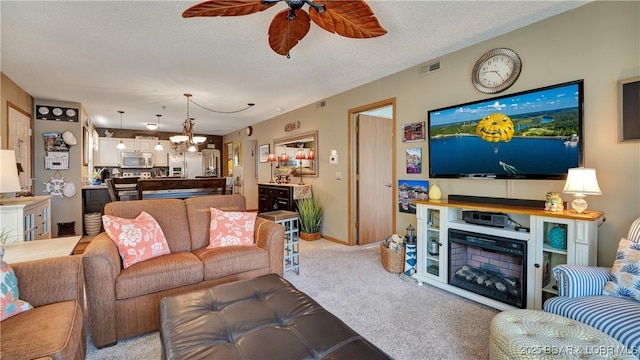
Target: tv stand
[436,217]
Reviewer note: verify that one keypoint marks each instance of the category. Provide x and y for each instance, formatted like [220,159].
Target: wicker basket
[392,260]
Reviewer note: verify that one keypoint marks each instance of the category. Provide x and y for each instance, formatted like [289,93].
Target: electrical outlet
[338,175]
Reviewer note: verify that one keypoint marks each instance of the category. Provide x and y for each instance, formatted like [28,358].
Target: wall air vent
[428,68]
[321,103]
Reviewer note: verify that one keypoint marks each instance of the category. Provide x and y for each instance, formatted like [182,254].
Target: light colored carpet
[407,321]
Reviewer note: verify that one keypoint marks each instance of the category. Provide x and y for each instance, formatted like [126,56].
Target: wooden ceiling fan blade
[353,18]
[226,8]
[284,34]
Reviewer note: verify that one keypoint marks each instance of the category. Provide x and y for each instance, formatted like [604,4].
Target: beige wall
[580,44]
[11,92]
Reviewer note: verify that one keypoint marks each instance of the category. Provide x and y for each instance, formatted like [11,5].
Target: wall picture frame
[409,190]
[263,152]
[629,110]
[414,132]
[414,160]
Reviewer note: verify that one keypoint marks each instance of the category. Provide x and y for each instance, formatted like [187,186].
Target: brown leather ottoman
[262,318]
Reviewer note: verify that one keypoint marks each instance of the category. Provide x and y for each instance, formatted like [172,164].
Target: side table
[39,249]
[288,219]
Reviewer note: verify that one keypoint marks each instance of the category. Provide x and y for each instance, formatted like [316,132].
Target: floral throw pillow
[231,228]
[625,271]
[137,239]
[10,304]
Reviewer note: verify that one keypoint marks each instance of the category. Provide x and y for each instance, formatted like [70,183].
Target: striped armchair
[580,298]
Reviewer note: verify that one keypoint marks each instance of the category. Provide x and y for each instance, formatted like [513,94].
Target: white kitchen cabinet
[26,219]
[161,157]
[145,145]
[440,221]
[106,154]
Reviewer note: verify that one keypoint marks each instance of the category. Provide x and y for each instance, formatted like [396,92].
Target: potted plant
[310,213]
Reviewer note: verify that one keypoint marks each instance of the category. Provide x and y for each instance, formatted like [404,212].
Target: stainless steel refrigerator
[185,164]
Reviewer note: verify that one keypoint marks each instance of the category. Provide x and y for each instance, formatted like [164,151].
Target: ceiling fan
[349,18]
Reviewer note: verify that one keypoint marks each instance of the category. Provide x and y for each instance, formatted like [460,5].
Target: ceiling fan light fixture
[353,19]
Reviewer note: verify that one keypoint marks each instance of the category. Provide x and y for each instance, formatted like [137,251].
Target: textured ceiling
[142,56]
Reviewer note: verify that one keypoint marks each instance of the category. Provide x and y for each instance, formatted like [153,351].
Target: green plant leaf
[310,212]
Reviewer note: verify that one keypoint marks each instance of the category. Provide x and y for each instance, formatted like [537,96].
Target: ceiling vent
[428,68]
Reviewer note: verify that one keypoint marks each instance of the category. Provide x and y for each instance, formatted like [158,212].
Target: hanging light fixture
[152,126]
[158,147]
[121,145]
[300,156]
[187,132]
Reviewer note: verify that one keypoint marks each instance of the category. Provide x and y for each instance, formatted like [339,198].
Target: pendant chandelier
[187,136]
[158,146]
[121,145]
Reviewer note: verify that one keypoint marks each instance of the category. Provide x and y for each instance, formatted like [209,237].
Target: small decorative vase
[434,192]
[97,182]
[558,237]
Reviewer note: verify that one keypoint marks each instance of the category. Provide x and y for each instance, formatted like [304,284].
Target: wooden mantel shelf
[589,215]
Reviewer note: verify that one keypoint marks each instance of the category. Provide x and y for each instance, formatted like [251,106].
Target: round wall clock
[496,70]
[248,130]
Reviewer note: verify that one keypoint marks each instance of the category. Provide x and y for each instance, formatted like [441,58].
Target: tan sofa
[54,328]
[124,302]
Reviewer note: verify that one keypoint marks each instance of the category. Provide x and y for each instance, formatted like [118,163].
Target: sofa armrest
[47,281]
[102,265]
[578,280]
[270,236]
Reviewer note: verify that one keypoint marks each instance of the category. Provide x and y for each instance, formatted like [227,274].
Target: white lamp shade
[121,146]
[199,139]
[158,147]
[9,180]
[178,138]
[152,126]
[582,181]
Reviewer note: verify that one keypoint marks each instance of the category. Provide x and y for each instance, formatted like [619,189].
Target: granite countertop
[94,187]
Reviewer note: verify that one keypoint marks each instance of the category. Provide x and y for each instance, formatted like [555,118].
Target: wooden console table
[180,188]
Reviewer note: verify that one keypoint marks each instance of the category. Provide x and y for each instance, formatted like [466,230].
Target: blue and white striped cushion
[618,317]
[634,231]
[578,280]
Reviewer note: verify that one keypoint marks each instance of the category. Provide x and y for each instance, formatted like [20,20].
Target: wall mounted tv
[535,134]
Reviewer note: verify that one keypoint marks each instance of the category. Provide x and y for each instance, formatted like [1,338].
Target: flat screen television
[535,134]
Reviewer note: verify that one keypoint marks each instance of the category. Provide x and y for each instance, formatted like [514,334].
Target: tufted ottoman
[262,318]
[533,334]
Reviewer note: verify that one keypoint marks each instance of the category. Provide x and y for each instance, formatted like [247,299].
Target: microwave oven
[137,160]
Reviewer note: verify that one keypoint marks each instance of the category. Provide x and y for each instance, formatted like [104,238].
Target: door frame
[352,164]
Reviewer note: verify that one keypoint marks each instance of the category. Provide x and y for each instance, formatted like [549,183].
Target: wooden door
[374,181]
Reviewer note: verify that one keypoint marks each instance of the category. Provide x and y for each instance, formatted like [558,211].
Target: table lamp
[300,156]
[271,159]
[9,180]
[581,182]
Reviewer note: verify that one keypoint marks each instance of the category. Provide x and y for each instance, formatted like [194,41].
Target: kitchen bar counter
[180,188]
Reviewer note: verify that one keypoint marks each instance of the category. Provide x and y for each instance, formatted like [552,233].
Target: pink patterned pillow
[231,228]
[137,239]
[10,304]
